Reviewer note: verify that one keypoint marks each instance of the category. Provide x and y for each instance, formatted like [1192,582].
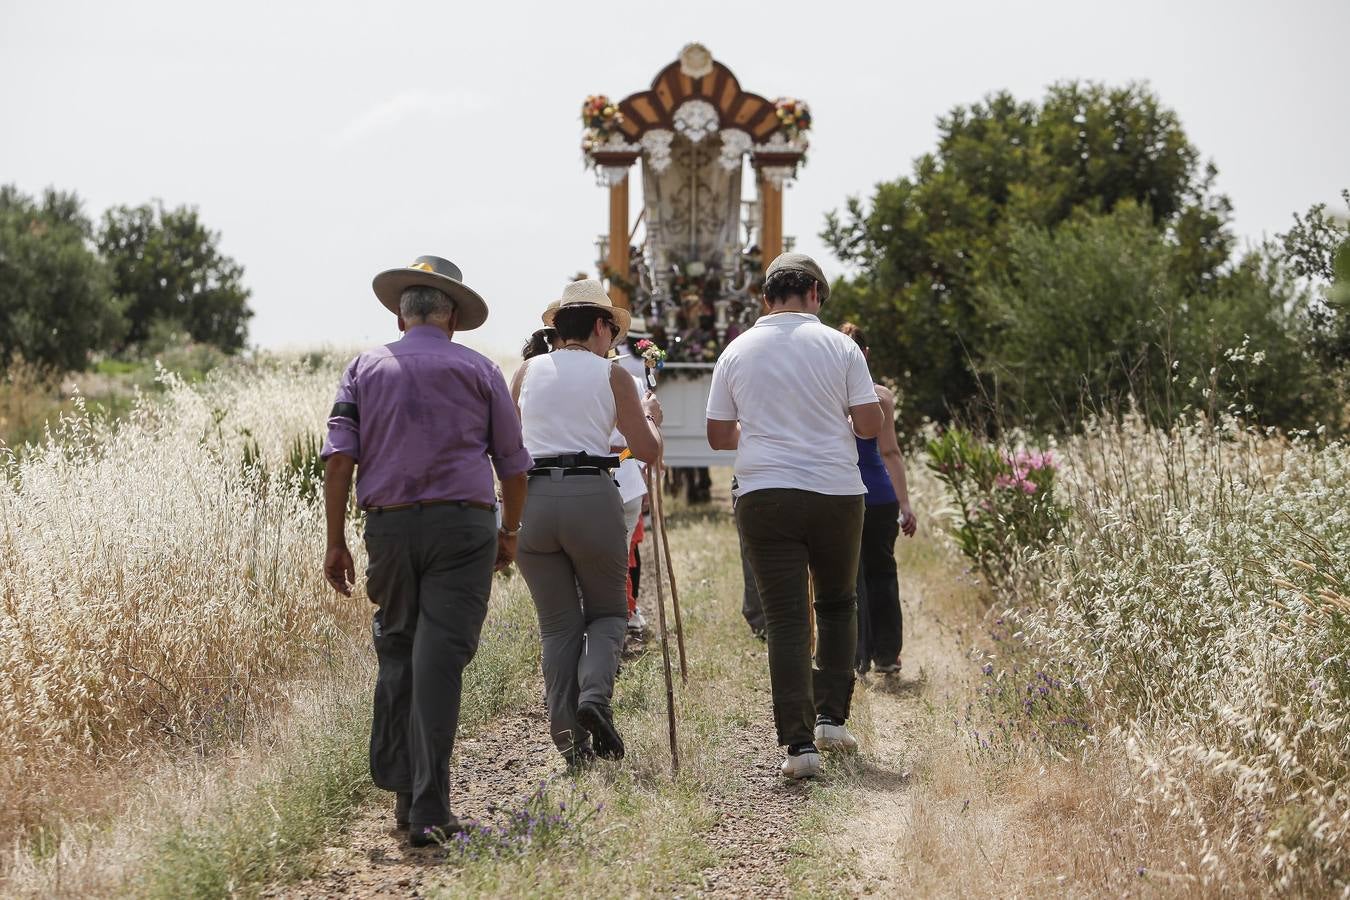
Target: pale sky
[329,141]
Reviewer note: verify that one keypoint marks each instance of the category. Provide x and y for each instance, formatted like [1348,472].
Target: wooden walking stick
[653,358]
[660,513]
[661,624]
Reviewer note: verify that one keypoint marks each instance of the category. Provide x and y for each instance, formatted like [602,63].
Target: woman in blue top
[880,624]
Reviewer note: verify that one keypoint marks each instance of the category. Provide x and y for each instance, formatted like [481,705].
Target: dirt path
[874,835]
[759,816]
[495,770]
[758,820]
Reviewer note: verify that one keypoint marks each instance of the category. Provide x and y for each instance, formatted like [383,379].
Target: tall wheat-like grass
[154,588]
[1201,602]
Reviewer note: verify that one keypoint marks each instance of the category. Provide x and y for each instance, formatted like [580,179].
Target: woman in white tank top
[573,542]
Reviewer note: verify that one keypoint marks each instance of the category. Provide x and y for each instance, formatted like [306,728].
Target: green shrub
[1004,499]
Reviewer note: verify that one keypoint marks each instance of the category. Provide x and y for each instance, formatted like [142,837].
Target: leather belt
[581,460]
[577,470]
[464,504]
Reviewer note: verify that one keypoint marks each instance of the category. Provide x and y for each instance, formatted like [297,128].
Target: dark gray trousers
[573,541]
[430,574]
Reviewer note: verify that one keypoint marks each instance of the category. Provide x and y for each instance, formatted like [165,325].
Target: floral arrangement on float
[694,281]
[794,115]
[705,311]
[601,119]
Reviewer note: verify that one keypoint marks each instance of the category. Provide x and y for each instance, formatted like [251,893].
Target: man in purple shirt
[423,422]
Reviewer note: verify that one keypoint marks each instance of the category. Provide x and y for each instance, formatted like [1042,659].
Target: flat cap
[800,262]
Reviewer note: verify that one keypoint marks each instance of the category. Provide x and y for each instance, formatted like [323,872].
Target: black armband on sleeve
[346,411]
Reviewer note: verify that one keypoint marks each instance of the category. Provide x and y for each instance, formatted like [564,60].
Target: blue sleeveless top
[875,478]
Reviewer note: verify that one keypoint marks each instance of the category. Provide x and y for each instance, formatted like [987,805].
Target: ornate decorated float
[692,265]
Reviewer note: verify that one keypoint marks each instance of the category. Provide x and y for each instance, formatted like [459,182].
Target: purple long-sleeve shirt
[425,419]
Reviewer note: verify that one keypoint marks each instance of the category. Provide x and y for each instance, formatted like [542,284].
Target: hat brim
[471,310]
[622,317]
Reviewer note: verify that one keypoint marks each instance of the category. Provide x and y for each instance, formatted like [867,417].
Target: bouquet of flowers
[653,356]
[794,115]
[601,119]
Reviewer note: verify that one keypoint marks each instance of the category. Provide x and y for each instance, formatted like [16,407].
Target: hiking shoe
[637,624]
[803,761]
[888,668]
[433,835]
[831,735]
[402,807]
[599,721]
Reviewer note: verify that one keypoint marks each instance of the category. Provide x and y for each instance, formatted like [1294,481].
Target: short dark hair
[787,283]
[575,323]
[856,333]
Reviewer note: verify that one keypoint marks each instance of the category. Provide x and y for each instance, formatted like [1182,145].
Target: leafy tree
[1099,312]
[168,268]
[1083,313]
[1318,248]
[927,242]
[55,303]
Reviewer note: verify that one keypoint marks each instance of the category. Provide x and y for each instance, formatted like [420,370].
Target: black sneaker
[599,721]
[402,807]
[433,835]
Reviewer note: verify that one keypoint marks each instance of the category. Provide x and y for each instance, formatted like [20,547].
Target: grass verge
[270,834]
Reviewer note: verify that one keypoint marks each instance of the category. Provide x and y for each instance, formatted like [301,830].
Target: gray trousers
[430,574]
[572,541]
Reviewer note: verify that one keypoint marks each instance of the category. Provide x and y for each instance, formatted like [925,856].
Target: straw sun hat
[589,292]
[441,274]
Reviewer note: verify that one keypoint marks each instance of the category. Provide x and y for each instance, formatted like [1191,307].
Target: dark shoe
[402,807]
[433,835]
[600,723]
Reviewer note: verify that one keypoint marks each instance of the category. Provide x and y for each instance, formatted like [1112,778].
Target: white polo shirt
[790,381]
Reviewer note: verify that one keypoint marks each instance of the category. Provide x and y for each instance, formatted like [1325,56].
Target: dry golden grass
[155,595]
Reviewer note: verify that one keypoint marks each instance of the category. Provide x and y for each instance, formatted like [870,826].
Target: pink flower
[1028,487]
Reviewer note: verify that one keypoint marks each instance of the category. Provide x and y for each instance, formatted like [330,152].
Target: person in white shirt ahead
[573,545]
[788,396]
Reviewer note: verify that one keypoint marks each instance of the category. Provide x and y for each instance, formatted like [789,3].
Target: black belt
[581,460]
[463,504]
[577,470]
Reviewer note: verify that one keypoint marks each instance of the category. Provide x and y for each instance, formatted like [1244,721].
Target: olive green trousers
[791,539]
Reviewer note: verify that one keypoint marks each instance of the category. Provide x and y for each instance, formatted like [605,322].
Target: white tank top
[567,404]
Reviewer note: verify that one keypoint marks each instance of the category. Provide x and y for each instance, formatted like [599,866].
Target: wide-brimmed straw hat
[438,273]
[589,292]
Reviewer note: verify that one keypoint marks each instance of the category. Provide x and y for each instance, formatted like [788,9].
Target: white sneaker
[835,737]
[803,765]
[636,623]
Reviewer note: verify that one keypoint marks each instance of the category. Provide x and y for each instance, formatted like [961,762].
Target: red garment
[632,563]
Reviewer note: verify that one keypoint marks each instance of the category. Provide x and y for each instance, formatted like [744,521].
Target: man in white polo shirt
[789,395]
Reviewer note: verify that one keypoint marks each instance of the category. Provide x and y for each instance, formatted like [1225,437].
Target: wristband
[505,532]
